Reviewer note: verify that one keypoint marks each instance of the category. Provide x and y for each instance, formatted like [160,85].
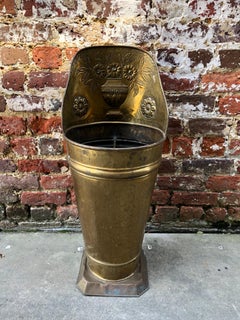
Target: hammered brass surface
[114,120]
[114,83]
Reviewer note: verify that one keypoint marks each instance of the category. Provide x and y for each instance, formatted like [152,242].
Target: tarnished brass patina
[114,119]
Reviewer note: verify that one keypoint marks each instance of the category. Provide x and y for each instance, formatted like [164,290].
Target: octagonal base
[133,286]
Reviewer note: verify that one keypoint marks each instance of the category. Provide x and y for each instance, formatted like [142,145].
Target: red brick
[229,199]
[56,181]
[216,214]
[13,55]
[73,196]
[194,198]
[24,146]
[30,165]
[189,183]
[39,125]
[160,197]
[41,80]
[3,104]
[230,58]
[13,80]
[7,165]
[229,105]
[221,82]
[166,147]
[47,57]
[182,147]
[191,213]
[212,147]
[165,214]
[234,147]
[8,7]
[70,52]
[223,183]
[65,212]
[38,198]
[12,126]
[175,84]
[206,126]
[234,213]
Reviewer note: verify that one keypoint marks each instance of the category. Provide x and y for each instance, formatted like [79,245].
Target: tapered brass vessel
[114,120]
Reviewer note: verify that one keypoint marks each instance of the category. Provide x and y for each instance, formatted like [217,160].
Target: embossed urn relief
[114,120]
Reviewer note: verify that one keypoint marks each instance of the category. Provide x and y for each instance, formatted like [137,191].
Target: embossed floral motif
[148,107]
[80,106]
[129,72]
[114,70]
[100,70]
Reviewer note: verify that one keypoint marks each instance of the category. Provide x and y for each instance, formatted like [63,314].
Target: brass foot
[133,286]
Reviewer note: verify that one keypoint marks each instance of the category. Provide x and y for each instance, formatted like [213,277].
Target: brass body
[114,120]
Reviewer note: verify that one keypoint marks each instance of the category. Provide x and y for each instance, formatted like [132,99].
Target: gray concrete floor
[192,276]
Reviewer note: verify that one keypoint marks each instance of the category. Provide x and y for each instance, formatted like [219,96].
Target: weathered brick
[230,58]
[65,212]
[212,147]
[47,57]
[165,213]
[167,166]
[227,31]
[216,214]
[39,125]
[194,198]
[205,126]
[229,199]
[200,56]
[175,127]
[13,55]
[8,7]
[63,181]
[223,183]
[25,103]
[2,212]
[12,125]
[191,213]
[238,128]
[24,146]
[8,196]
[175,84]
[234,147]
[207,166]
[40,80]
[229,105]
[221,82]
[4,147]
[168,56]
[42,166]
[42,213]
[50,146]
[189,183]
[25,182]
[204,9]
[17,212]
[234,213]
[7,165]
[26,32]
[160,197]
[3,104]
[39,198]
[13,80]
[182,147]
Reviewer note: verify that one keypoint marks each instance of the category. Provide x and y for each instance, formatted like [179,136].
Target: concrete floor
[192,276]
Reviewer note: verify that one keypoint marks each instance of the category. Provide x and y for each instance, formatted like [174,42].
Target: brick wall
[196,45]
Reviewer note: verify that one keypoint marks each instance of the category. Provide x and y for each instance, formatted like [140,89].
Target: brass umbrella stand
[114,119]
